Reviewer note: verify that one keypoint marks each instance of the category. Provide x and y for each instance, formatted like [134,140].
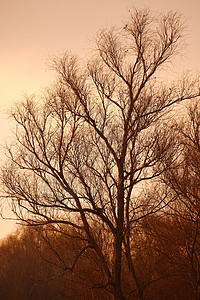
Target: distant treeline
[35,263]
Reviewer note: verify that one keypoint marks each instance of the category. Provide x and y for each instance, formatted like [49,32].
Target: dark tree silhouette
[183,179]
[84,149]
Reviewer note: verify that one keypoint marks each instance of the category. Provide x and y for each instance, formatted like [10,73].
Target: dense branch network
[85,149]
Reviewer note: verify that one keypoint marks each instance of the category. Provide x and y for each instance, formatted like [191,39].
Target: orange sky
[33,30]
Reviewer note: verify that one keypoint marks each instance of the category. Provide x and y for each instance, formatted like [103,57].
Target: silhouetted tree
[162,260]
[184,180]
[84,149]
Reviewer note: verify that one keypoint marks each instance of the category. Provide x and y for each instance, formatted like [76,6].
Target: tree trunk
[118,294]
[132,269]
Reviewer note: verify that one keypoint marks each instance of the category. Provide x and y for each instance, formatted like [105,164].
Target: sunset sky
[32,31]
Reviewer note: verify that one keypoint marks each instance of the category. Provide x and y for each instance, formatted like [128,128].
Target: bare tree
[183,179]
[84,149]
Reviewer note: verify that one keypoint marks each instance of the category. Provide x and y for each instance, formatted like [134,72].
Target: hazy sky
[33,30]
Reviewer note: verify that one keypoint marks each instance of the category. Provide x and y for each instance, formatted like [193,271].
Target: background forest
[104,174]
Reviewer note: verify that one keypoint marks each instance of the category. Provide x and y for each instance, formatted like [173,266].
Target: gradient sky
[33,30]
